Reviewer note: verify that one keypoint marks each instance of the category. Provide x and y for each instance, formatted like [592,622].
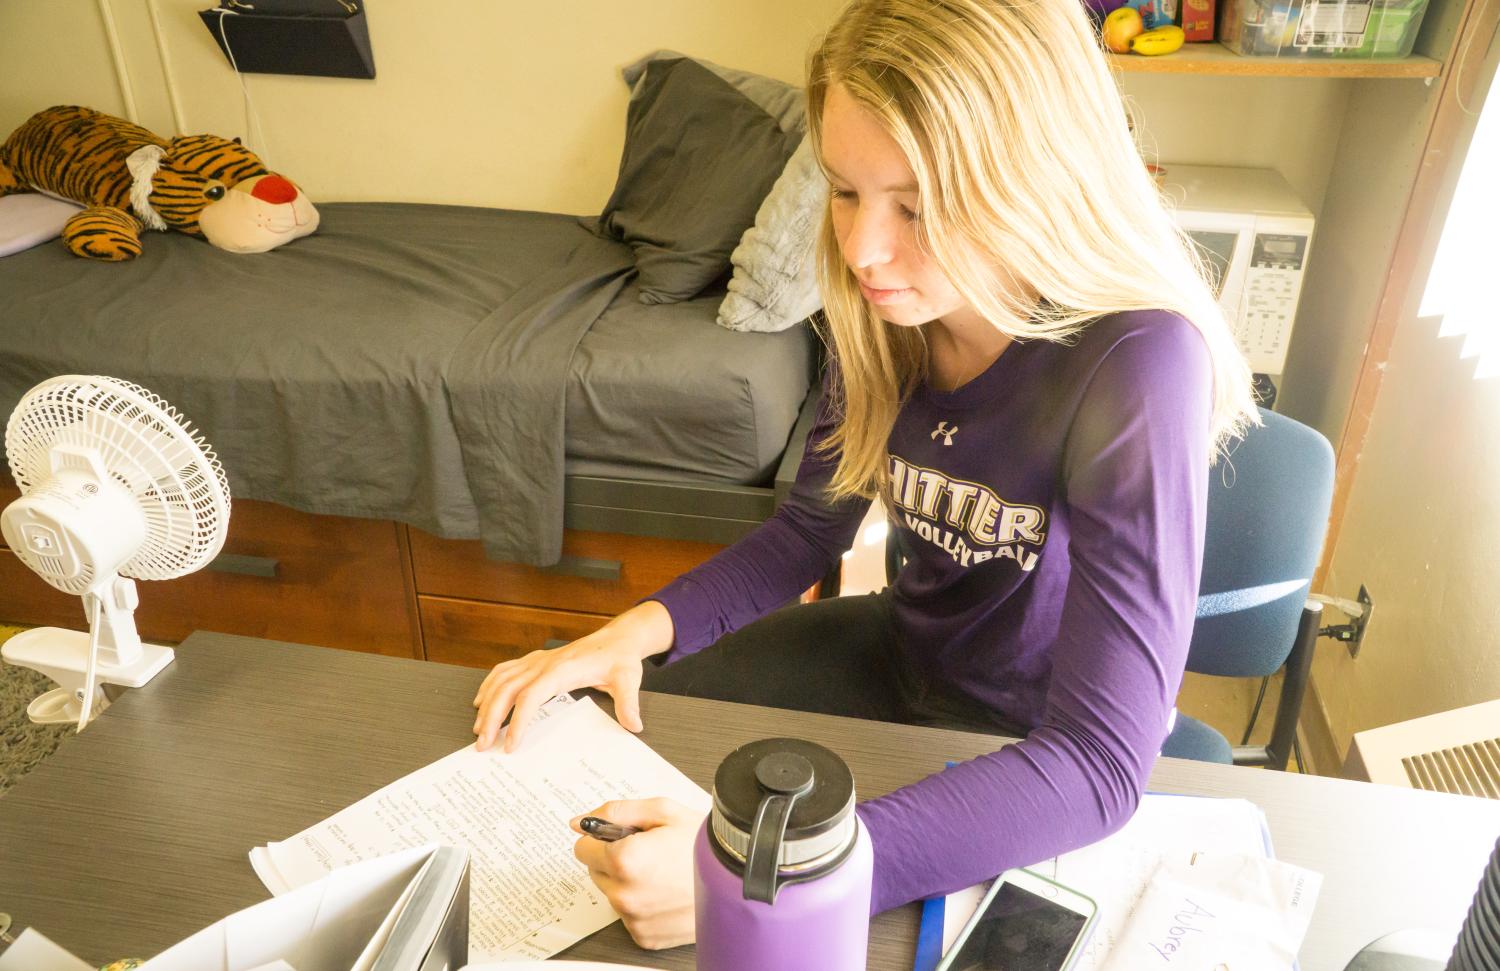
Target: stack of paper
[529,897]
[1115,870]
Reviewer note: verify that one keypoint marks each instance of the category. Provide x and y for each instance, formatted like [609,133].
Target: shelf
[1217,59]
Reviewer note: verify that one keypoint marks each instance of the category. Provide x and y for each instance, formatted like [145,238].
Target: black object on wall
[321,38]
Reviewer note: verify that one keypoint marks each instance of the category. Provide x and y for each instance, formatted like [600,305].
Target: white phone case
[1065,897]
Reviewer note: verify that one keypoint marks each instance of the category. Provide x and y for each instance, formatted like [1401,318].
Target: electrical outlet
[1362,622]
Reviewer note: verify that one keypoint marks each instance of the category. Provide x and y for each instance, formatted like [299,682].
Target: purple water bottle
[782,866]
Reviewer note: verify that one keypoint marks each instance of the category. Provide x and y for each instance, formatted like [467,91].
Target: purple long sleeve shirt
[1052,512]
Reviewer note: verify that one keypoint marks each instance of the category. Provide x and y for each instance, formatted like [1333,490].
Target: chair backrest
[1268,503]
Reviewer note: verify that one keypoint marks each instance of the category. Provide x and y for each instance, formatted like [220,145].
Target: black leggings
[835,657]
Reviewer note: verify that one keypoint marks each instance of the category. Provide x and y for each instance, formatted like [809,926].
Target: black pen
[604,830]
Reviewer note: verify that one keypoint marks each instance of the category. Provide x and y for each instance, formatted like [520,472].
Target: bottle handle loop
[784,777]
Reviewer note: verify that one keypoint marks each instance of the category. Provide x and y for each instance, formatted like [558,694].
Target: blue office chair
[1268,505]
[1268,508]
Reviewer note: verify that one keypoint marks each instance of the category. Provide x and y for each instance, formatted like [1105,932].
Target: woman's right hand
[608,659]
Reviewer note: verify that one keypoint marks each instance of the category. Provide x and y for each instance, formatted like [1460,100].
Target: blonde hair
[1035,201]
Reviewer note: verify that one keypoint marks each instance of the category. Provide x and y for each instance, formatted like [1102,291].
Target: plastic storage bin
[1321,28]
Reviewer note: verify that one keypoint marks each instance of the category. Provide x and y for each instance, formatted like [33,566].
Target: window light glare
[1458,274]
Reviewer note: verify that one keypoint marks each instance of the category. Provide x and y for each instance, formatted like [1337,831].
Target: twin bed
[447,367]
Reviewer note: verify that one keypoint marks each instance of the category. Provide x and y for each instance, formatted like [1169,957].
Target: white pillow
[29,219]
[774,285]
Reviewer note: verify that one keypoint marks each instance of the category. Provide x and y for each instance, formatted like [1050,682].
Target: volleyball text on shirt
[967,520]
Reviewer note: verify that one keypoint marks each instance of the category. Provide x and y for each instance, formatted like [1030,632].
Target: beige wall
[1422,525]
[521,106]
[1421,531]
[487,103]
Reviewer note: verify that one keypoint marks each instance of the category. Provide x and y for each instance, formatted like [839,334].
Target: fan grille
[147,447]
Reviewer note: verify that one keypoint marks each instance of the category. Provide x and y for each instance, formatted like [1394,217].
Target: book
[400,912]
[430,930]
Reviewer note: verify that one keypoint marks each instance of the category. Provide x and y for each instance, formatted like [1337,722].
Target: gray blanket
[405,362]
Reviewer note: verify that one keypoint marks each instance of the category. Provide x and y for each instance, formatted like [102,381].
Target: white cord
[1352,609]
[262,144]
[93,665]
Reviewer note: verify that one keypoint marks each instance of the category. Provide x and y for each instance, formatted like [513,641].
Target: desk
[135,833]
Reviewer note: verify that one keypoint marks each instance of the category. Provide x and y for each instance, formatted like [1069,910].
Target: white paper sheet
[529,898]
[1116,870]
[34,951]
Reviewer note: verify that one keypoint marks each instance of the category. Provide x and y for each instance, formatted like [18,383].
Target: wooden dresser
[476,611]
[378,586]
[384,587]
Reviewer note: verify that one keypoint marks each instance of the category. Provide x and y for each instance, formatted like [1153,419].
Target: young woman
[1029,371]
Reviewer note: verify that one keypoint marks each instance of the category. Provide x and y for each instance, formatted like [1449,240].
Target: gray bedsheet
[660,391]
[406,362]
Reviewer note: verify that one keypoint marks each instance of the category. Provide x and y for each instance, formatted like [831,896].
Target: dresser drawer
[480,634]
[602,573]
[283,575]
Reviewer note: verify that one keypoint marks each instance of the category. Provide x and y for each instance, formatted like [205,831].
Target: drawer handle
[250,566]
[555,642]
[582,566]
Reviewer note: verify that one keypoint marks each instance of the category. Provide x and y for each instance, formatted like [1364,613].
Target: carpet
[22,744]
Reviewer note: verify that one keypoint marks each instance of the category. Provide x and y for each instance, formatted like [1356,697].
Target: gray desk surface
[135,833]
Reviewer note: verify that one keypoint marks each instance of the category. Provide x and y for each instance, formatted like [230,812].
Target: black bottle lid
[783,812]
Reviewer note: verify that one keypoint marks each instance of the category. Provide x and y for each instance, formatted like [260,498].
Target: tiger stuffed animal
[128,178]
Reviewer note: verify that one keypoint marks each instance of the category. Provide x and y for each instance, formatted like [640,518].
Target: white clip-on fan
[114,484]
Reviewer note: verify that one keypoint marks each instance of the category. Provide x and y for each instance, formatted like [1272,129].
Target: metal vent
[1466,770]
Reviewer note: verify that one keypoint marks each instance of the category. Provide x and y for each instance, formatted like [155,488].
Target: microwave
[1254,234]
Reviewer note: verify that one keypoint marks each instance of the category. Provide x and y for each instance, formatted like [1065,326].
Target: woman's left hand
[648,877]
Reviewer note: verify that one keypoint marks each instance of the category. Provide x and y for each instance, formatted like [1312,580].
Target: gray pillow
[785,102]
[700,156]
[775,283]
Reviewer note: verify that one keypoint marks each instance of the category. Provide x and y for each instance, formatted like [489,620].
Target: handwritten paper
[1219,910]
[1116,870]
[529,897]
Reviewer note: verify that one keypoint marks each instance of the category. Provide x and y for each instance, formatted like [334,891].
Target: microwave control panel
[1268,303]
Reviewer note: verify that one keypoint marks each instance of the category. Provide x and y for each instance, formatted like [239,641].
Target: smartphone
[1024,923]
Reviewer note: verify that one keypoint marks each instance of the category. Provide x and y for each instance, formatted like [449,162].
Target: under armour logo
[943,430]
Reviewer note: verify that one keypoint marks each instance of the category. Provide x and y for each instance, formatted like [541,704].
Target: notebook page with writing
[529,897]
